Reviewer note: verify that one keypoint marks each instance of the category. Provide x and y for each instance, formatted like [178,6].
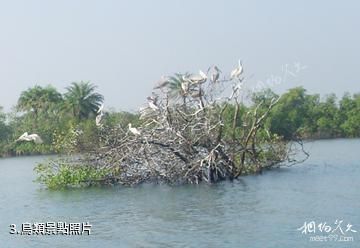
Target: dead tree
[184,135]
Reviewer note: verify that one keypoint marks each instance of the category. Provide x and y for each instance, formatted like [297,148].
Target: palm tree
[175,87]
[82,99]
[39,100]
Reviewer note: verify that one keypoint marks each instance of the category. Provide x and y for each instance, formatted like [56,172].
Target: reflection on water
[256,211]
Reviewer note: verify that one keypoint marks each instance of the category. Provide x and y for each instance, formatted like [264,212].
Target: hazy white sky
[125,46]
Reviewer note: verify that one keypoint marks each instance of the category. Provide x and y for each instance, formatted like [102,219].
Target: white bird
[100,108]
[196,79]
[237,71]
[152,103]
[215,75]
[99,116]
[32,137]
[134,130]
[98,119]
[185,86]
[202,74]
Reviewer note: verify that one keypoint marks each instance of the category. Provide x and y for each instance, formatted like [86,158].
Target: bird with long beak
[215,74]
[237,71]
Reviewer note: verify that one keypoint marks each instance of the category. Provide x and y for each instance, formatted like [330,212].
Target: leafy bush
[62,174]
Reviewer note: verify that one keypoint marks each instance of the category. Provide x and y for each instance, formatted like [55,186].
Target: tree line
[308,116]
[67,121]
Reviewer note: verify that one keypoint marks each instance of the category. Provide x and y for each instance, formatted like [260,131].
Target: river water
[256,211]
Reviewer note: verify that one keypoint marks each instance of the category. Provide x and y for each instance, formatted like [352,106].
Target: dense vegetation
[65,122]
[299,114]
[57,117]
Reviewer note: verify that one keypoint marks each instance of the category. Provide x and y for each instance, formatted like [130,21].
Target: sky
[124,47]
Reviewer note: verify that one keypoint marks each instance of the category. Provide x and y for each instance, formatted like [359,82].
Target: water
[257,211]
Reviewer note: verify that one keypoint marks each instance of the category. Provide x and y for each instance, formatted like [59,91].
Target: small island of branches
[194,128]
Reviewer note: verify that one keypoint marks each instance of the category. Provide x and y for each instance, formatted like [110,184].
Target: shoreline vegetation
[194,128]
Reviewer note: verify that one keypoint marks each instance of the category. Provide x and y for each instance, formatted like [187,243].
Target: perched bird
[185,85]
[100,108]
[152,103]
[134,130]
[99,116]
[237,71]
[196,79]
[32,137]
[215,74]
[98,119]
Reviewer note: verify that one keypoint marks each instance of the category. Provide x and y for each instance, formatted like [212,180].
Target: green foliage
[30,148]
[289,114]
[263,96]
[298,114]
[82,100]
[122,119]
[328,122]
[175,87]
[39,99]
[44,111]
[5,133]
[350,113]
[310,126]
[66,175]
[5,129]
[228,117]
[65,141]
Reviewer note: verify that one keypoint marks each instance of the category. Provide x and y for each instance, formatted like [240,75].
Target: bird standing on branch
[100,108]
[215,74]
[185,86]
[237,71]
[99,116]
